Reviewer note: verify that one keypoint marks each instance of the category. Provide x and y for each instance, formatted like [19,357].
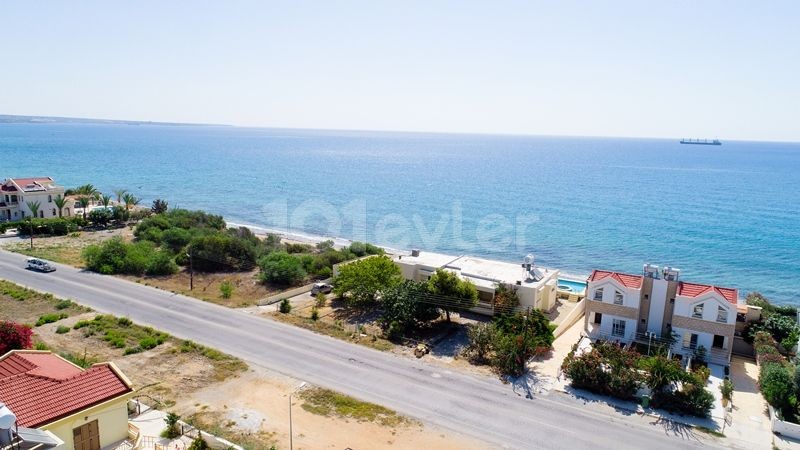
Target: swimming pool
[575,287]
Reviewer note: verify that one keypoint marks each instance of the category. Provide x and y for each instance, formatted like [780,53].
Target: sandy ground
[259,401]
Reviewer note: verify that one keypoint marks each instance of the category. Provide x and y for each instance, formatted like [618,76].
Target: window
[618,328]
[617,297]
[697,312]
[41,214]
[598,318]
[598,294]
[719,341]
[49,199]
[689,340]
[722,314]
[54,212]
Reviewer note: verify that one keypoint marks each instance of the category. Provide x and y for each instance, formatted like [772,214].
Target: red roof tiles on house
[627,280]
[696,290]
[41,387]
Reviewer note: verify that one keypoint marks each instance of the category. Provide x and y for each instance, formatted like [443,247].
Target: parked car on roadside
[40,265]
[325,288]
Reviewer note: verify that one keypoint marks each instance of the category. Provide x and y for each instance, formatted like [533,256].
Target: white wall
[684,306]
[630,296]
[606,327]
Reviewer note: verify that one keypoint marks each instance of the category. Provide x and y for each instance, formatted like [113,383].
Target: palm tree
[60,202]
[130,200]
[119,193]
[88,191]
[34,207]
[105,200]
[84,202]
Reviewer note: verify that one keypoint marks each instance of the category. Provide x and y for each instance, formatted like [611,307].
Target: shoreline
[299,237]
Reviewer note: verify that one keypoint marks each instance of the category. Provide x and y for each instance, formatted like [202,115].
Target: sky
[725,69]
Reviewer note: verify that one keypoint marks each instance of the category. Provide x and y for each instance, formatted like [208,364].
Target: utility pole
[191,270]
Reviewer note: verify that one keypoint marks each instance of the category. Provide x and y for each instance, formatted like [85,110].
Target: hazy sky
[727,69]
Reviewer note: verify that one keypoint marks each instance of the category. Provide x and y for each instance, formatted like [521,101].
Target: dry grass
[171,368]
[215,423]
[334,329]
[328,403]
[247,291]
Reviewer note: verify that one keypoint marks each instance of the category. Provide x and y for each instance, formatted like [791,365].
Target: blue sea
[726,214]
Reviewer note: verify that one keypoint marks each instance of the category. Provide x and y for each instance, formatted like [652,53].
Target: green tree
[281,268]
[130,200]
[159,206]
[407,305]
[518,338]
[455,294]
[84,203]
[481,338]
[199,444]
[777,385]
[363,280]
[105,200]
[662,372]
[60,202]
[119,193]
[88,191]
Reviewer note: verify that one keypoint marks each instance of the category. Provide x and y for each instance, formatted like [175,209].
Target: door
[87,437]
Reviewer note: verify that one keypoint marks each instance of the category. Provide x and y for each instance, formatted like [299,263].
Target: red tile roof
[627,280]
[41,387]
[696,290]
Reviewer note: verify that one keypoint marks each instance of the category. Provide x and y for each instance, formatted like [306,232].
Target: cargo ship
[701,141]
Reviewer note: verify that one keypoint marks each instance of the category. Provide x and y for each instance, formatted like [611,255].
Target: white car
[40,265]
[325,288]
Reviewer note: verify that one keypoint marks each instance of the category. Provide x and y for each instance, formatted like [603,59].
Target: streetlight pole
[300,386]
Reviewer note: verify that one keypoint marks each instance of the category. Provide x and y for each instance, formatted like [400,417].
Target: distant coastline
[10,118]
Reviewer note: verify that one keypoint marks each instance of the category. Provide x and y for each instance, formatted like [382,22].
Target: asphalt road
[480,407]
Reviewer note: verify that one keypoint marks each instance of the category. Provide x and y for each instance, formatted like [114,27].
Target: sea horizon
[721,214]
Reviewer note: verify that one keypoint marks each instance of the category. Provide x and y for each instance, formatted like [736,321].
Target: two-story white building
[536,287]
[15,193]
[657,307]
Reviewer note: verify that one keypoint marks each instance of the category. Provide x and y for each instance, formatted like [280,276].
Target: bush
[692,399]
[199,444]
[480,341]
[115,256]
[405,305]
[226,289]
[607,369]
[64,304]
[172,431]
[148,343]
[62,329]
[281,268]
[777,386]
[726,389]
[314,314]
[50,318]
[320,300]
[285,306]
[14,336]
[219,252]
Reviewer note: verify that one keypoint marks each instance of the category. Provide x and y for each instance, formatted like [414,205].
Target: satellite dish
[529,258]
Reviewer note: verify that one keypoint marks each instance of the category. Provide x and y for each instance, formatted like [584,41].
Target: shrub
[314,313]
[199,444]
[285,306]
[606,369]
[480,340]
[726,389]
[702,373]
[222,251]
[63,304]
[777,386]
[692,399]
[148,343]
[226,289]
[406,306]
[172,431]
[281,268]
[62,329]
[321,300]
[14,336]
[50,318]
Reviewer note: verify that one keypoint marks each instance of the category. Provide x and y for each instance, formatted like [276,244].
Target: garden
[620,372]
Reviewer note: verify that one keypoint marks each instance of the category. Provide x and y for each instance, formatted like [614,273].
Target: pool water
[571,286]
